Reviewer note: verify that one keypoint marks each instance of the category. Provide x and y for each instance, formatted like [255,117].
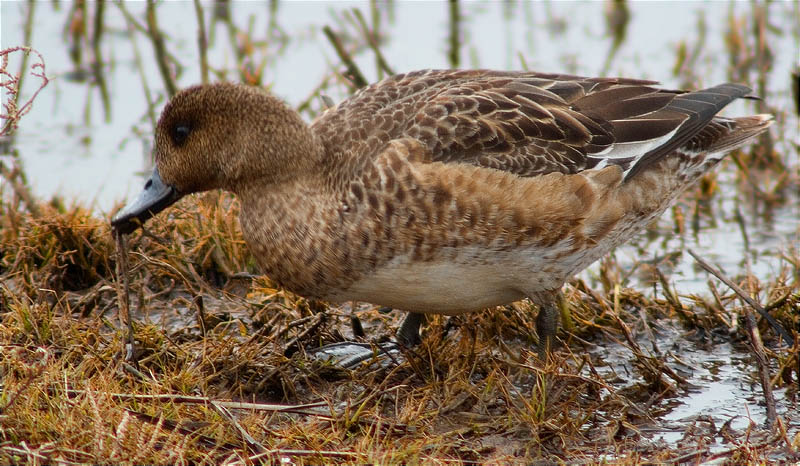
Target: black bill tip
[155,197]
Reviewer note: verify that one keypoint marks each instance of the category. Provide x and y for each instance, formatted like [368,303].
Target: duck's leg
[408,334]
[355,322]
[547,321]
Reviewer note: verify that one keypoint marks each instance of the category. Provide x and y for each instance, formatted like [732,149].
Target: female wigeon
[442,191]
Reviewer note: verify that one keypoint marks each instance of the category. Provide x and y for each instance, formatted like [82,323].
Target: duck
[442,191]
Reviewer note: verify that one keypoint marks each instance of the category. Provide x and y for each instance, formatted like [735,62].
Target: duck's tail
[722,135]
[702,132]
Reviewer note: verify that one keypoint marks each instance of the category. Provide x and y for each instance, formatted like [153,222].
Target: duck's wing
[531,124]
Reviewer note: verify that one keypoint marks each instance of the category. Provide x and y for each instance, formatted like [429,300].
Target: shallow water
[722,379]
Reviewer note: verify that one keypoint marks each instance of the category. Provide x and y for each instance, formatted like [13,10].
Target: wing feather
[526,123]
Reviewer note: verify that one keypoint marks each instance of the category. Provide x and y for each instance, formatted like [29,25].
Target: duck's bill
[155,197]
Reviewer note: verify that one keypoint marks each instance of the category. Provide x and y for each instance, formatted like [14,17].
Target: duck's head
[224,136]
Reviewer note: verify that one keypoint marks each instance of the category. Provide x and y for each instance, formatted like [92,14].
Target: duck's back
[529,123]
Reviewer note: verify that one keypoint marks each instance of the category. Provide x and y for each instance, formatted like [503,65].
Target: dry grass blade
[288,453]
[774,323]
[755,337]
[299,409]
[251,442]
[123,292]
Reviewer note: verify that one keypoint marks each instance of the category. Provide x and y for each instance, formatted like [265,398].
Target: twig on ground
[204,440]
[305,408]
[251,442]
[136,372]
[763,364]
[294,344]
[754,334]
[201,314]
[654,366]
[123,292]
[288,452]
[774,323]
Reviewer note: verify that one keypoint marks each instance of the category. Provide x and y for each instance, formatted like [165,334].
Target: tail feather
[700,109]
[734,132]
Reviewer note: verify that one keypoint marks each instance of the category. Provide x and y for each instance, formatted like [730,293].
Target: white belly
[471,280]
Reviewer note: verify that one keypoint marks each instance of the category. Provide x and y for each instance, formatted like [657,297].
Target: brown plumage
[444,191]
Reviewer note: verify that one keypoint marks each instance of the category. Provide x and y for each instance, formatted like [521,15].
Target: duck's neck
[289,227]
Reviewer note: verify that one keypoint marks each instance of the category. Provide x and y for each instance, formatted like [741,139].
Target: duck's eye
[180,133]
